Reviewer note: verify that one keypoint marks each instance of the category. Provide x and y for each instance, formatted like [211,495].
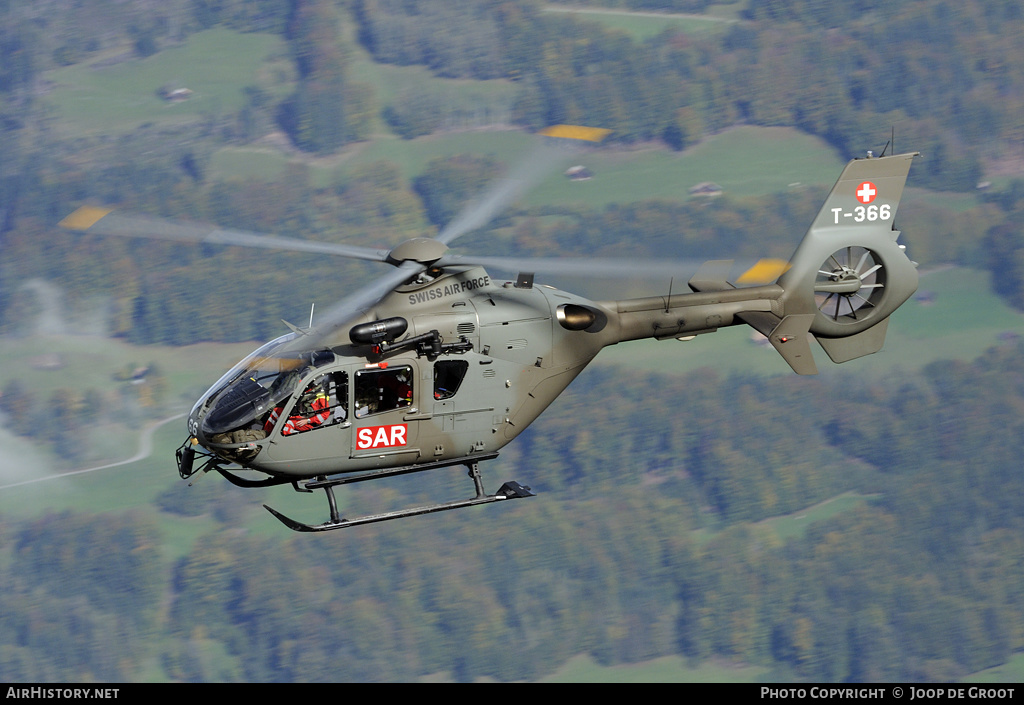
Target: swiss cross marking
[381,436]
[866,192]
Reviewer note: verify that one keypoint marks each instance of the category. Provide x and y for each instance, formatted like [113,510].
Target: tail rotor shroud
[850,285]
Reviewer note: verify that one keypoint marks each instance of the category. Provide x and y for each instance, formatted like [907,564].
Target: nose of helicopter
[238,406]
[233,445]
[200,435]
[201,430]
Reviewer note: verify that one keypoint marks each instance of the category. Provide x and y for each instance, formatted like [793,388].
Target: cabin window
[448,376]
[377,391]
[322,402]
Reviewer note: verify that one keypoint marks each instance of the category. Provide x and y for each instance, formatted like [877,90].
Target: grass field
[118,93]
[85,361]
[136,485]
[33,482]
[641,25]
[670,669]
[1010,672]
[745,161]
[778,530]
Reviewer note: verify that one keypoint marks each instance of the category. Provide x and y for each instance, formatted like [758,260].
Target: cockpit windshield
[256,385]
[236,371]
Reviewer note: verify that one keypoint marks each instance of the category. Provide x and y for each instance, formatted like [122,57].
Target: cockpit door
[384,406]
[314,422]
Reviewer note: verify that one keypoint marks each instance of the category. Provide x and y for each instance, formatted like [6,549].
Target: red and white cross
[866,192]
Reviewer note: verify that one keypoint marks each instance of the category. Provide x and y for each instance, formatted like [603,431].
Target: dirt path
[144,451]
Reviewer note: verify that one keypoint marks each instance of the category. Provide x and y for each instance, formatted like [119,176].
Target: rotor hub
[843,281]
[425,250]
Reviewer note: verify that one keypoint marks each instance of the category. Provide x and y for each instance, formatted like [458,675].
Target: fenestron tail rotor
[849,285]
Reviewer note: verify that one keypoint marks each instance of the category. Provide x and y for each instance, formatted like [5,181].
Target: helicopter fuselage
[519,346]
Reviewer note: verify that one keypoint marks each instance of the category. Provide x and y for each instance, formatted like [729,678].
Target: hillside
[702,513]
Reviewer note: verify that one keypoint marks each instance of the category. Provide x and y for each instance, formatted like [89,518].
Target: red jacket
[298,424]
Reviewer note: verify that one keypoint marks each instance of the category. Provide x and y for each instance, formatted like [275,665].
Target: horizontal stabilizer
[764,271]
[850,348]
[789,336]
[712,276]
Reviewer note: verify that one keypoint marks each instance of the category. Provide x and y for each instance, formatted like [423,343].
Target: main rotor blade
[359,302]
[106,222]
[537,164]
[761,271]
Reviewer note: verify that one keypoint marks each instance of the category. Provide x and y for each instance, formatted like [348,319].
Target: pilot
[312,410]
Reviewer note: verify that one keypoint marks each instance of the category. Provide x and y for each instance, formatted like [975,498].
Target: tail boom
[843,282]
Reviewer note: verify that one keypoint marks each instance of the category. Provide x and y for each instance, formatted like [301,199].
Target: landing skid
[510,490]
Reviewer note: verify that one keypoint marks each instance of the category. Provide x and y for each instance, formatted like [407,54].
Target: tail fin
[849,274]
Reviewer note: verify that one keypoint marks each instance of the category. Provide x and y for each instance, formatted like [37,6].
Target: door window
[377,391]
[448,376]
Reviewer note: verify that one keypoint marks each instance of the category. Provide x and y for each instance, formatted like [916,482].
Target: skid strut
[509,490]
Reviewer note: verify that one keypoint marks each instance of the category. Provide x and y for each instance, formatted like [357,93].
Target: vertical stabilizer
[849,270]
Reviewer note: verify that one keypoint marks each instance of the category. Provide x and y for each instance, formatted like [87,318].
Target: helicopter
[437,364]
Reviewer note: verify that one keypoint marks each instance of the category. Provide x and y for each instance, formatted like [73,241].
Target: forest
[640,549]
[954,97]
[646,542]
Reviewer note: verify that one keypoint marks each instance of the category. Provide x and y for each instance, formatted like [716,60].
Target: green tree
[327,109]
[17,403]
[447,184]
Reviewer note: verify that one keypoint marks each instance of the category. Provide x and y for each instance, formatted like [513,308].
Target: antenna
[890,143]
[311,307]
[668,301]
